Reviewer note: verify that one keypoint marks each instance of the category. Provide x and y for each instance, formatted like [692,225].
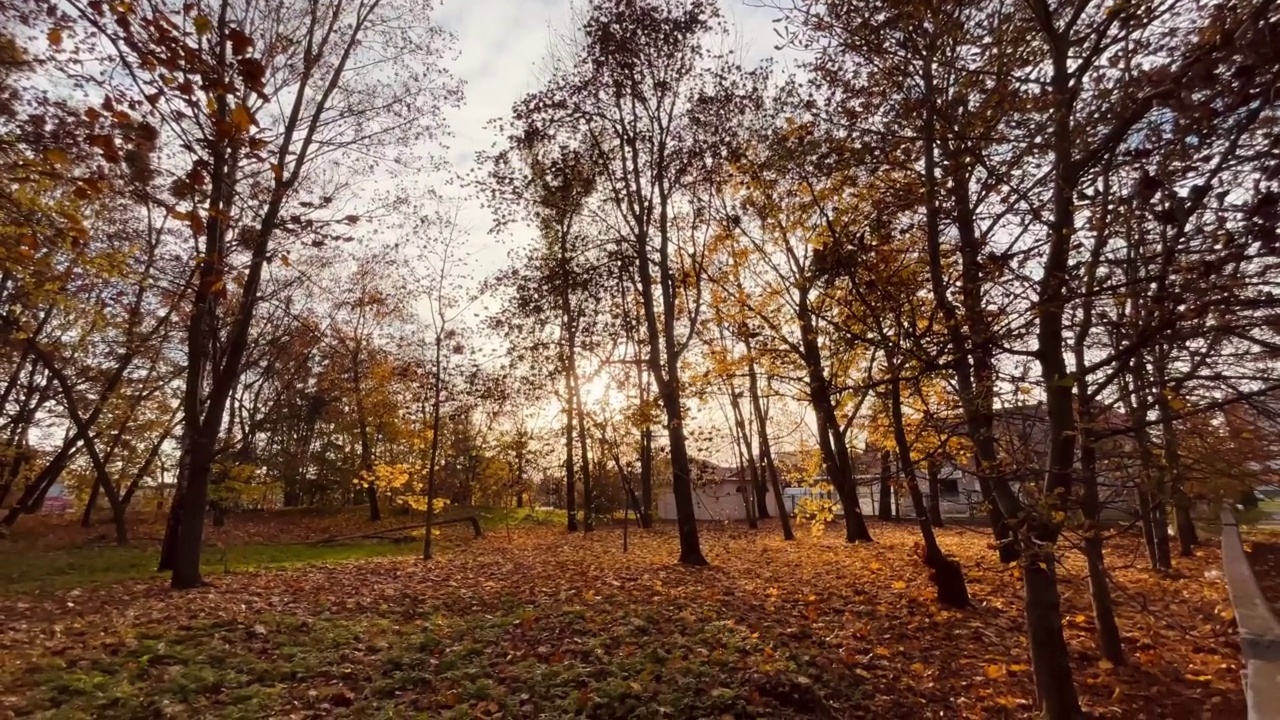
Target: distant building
[719,493]
[58,500]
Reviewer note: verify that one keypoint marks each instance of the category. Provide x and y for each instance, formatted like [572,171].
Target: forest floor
[537,623]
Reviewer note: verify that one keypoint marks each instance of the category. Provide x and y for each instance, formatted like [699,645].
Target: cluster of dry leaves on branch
[542,624]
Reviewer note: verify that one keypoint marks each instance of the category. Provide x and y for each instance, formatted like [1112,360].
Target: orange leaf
[242,119]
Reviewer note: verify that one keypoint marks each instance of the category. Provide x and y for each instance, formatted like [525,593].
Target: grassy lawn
[25,572]
[25,567]
[541,624]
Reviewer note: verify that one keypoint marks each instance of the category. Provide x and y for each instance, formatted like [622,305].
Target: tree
[444,262]
[281,106]
[636,89]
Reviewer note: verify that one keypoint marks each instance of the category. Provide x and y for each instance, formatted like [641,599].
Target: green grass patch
[23,570]
[495,519]
[445,666]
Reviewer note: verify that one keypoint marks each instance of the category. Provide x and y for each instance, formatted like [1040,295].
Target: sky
[500,47]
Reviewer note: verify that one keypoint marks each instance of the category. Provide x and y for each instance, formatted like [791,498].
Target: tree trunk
[1152,481]
[169,545]
[570,487]
[1050,660]
[371,496]
[748,468]
[766,447]
[935,491]
[1146,518]
[86,519]
[855,526]
[945,573]
[366,456]
[831,442]
[971,355]
[886,485]
[681,483]
[1160,524]
[191,505]
[588,504]
[437,388]
[1104,613]
[1188,538]
[646,477]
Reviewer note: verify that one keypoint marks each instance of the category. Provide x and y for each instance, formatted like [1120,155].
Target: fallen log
[385,533]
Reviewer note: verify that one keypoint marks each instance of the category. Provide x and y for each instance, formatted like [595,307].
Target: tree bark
[570,487]
[681,483]
[935,491]
[86,518]
[886,485]
[835,453]
[1050,660]
[646,477]
[945,573]
[766,447]
[437,389]
[588,505]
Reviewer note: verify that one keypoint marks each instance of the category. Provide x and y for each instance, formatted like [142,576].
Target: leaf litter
[541,624]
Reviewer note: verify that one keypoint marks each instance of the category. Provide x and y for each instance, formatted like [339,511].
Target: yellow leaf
[994,672]
[55,37]
[899,585]
[57,156]
[918,668]
[241,119]
[1105,664]
[203,25]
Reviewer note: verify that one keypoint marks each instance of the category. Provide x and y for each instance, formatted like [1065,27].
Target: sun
[600,391]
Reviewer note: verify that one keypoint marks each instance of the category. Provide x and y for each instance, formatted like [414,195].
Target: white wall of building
[713,502]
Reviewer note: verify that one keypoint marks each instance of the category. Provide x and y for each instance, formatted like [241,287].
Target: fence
[1258,627]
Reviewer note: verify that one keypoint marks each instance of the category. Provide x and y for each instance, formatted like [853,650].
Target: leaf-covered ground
[540,624]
